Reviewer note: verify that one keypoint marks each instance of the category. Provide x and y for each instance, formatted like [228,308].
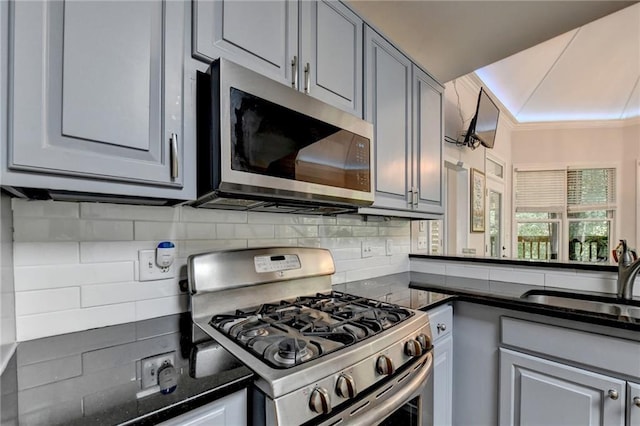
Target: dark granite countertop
[93,376]
[509,296]
[522,262]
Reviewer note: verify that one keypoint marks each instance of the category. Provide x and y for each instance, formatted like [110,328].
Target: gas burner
[291,351]
[279,333]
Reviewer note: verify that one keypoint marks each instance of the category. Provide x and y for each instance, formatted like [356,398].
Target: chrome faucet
[628,267]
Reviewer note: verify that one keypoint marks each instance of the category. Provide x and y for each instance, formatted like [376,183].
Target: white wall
[461,97]
[7,306]
[587,144]
[74,262]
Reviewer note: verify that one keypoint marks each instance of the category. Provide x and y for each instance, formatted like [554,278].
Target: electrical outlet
[367,250]
[389,247]
[149,270]
[422,243]
[149,368]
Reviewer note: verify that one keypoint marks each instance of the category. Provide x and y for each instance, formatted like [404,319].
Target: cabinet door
[427,142]
[261,35]
[535,391]
[388,94]
[633,404]
[228,410]
[331,54]
[443,381]
[97,89]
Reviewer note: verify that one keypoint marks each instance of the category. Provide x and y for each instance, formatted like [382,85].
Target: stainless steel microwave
[265,146]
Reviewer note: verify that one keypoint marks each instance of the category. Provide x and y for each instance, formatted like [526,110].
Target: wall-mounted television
[484,123]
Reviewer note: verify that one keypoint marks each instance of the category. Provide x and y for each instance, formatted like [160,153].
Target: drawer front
[441,320]
[591,349]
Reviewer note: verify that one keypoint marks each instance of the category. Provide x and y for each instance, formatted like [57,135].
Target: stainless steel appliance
[266,146]
[321,356]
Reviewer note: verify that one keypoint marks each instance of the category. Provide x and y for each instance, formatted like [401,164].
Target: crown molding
[590,124]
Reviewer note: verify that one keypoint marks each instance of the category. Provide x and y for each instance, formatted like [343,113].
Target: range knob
[425,341]
[346,386]
[384,365]
[319,401]
[412,348]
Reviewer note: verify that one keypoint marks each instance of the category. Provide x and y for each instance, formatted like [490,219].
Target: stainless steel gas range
[320,356]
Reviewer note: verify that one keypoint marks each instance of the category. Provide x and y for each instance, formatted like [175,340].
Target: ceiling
[454,38]
[590,73]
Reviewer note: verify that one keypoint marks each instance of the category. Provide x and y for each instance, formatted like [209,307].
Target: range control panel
[283,262]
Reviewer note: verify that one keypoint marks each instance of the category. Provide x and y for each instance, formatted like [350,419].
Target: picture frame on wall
[477,200]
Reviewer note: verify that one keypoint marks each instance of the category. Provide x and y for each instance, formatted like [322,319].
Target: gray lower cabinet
[97,96]
[313,46]
[633,404]
[405,105]
[536,391]
[228,410]
[441,320]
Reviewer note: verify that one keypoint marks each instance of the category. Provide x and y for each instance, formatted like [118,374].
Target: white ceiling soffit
[454,38]
[591,73]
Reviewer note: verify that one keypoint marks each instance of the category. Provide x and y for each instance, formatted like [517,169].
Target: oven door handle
[379,410]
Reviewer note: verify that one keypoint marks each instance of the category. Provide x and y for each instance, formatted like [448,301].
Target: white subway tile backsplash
[42,373]
[364,231]
[44,230]
[107,294]
[128,212]
[106,230]
[40,301]
[190,214]
[112,251]
[56,276]
[295,231]
[287,219]
[333,231]
[152,308]
[42,325]
[187,248]
[248,231]
[467,271]
[428,267]
[30,254]
[283,242]
[81,256]
[29,229]
[160,231]
[46,209]
[516,276]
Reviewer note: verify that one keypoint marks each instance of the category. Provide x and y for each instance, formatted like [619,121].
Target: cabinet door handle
[307,77]
[173,142]
[613,394]
[410,197]
[294,72]
[416,193]
[636,401]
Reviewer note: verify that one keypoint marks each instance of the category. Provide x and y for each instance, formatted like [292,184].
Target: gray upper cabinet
[313,46]
[427,142]
[331,54]
[97,95]
[405,105]
[261,35]
[388,107]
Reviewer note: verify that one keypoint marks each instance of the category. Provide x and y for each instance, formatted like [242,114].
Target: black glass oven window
[407,415]
[272,140]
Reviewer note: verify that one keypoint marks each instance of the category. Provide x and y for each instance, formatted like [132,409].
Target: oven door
[405,399]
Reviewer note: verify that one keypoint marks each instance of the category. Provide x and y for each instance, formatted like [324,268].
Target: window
[580,201]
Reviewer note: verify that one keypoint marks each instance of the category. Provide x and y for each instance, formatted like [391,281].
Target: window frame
[612,212]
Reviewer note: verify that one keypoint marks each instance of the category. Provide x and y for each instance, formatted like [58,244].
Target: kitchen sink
[609,306]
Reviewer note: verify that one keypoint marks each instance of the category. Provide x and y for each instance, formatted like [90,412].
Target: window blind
[540,190]
[591,189]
